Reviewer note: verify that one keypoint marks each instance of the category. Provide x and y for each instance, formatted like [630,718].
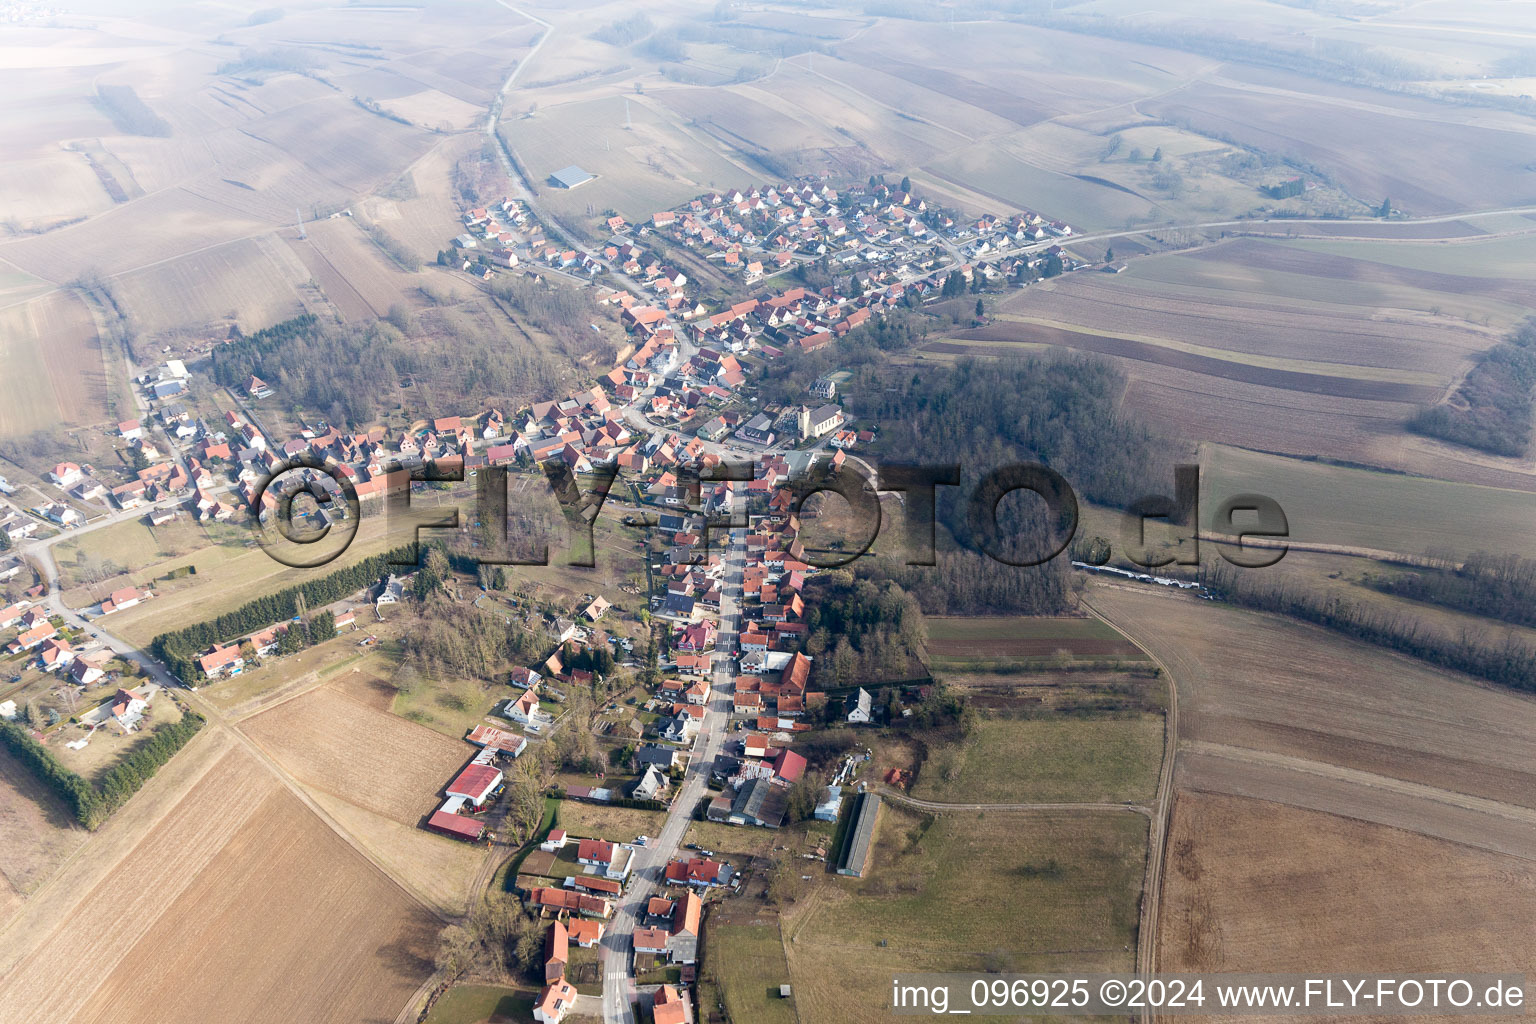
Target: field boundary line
[313,805]
[1366,780]
[1160,823]
[937,805]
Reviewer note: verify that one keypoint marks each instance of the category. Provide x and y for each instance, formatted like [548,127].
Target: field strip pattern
[120,910]
[1225,369]
[1468,821]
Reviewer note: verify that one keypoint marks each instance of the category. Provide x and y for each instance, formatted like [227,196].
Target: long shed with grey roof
[861,836]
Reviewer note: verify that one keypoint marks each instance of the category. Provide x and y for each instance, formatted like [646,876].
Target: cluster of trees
[526,781]
[1503,659]
[864,351]
[129,113]
[862,629]
[626,31]
[69,787]
[965,582]
[498,936]
[1492,586]
[126,777]
[451,640]
[565,314]
[393,247]
[93,806]
[1492,407]
[353,373]
[1063,412]
[299,635]
[273,58]
[179,648]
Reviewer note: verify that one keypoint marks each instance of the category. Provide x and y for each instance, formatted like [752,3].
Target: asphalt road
[619,991]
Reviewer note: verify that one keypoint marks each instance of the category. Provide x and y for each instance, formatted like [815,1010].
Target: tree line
[1063,412]
[1506,660]
[1492,407]
[92,806]
[861,629]
[353,374]
[178,649]
[1492,586]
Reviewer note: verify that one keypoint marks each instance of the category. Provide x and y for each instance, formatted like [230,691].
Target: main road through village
[650,861]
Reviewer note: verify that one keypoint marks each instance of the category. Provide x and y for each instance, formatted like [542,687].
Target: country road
[1160,820]
[617,960]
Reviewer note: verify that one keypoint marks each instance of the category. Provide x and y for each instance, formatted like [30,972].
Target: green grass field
[1360,508]
[747,965]
[471,1004]
[1055,760]
[958,643]
[964,892]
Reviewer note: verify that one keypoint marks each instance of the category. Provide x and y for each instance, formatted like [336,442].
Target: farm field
[1321,123]
[283,898]
[654,165]
[1101,759]
[1343,712]
[397,772]
[36,832]
[1265,345]
[440,869]
[1512,257]
[1361,508]
[1257,886]
[1350,341]
[1074,880]
[55,373]
[745,960]
[251,284]
[1006,179]
[1017,637]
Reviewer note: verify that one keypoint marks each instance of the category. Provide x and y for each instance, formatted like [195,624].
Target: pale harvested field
[164,226]
[419,210]
[1264,683]
[657,163]
[1257,886]
[342,143]
[439,868]
[36,833]
[1328,261]
[340,247]
[1253,325]
[1323,123]
[1471,822]
[108,920]
[285,923]
[251,283]
[57,185]
[54,372]
[368,757]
